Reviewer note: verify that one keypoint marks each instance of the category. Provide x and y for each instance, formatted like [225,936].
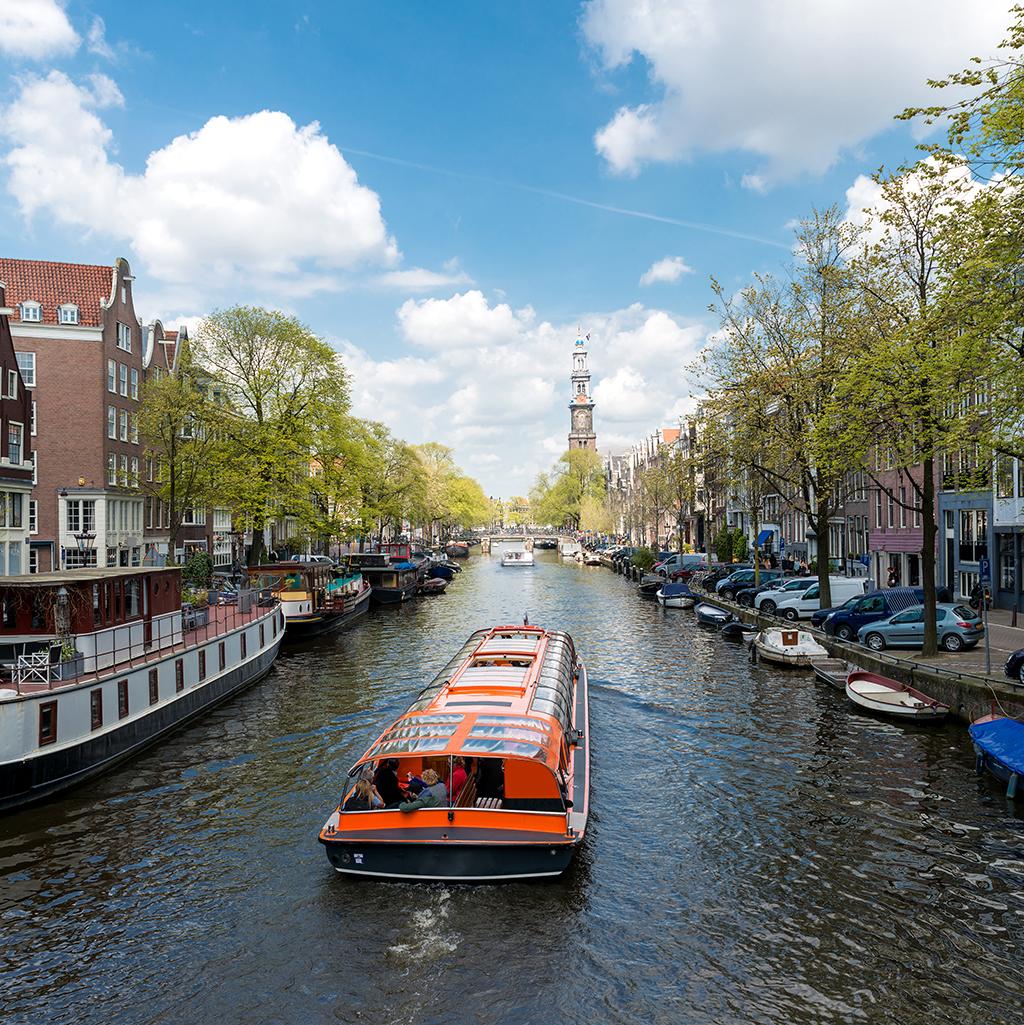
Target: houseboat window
[47,723]
[242,640]
[202,665]
[38,613]
[96,707]
[263,636]
[154,686]
[131,594]
[221,658]
[10,615]
[179,675]
[273,627]
[122,699]
[118,616]
[97,609]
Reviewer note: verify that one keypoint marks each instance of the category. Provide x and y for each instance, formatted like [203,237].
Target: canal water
[756,852]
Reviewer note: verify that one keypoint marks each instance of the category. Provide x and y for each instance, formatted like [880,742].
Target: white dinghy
[788,647]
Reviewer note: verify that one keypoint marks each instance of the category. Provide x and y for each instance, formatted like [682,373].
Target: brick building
[16,458]
[81,354]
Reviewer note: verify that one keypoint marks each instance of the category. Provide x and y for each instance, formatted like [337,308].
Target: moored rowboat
[882,696]
[676,596]
[999,747]
[832,671]
[711,615]
[512,707]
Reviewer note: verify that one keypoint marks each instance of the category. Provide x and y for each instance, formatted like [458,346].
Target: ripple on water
[756,854]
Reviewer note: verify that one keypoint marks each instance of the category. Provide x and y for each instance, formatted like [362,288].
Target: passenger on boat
[385,779]
[364,798]
[433,793]
[458,780]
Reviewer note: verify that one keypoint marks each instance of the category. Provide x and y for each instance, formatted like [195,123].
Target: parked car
[728,587]
[686,561]
[803,603]
[958,626]
[768,601]
[745,595]
[873,606]
[818,618]
[313,558]
[1014,667]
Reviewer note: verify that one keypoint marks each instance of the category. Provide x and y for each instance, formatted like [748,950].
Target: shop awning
[764,536]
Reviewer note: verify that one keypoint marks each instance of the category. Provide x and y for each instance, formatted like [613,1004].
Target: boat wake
[428,932]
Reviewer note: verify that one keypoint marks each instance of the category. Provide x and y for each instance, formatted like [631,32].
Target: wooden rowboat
[882,696]
[832,671]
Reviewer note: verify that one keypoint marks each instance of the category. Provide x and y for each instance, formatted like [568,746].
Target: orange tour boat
[486,775]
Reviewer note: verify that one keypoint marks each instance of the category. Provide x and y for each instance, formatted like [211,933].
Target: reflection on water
[756,852]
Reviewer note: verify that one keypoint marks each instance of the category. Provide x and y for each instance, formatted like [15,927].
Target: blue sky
[397,175]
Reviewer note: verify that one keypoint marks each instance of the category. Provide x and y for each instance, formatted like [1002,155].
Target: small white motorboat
[882,696]
[711,615]
[517,557]
[788,647]
[676,596]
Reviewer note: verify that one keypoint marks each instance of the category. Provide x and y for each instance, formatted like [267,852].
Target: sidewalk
[1003,640]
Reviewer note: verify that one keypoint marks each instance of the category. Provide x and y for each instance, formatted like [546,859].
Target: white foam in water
[426,933]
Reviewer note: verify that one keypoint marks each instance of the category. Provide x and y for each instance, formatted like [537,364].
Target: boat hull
[301,628]
[44,775]
[441,572]
[454,861]
[868,692]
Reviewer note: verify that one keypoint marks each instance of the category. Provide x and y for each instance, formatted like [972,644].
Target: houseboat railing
[46,669]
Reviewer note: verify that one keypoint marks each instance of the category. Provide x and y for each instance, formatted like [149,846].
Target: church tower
[581,409]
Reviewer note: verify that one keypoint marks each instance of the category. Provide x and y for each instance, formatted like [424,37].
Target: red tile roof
[669,434]
[53,284]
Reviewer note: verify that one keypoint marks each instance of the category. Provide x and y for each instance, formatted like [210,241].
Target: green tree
[178,419]
[557,498]
[282,381]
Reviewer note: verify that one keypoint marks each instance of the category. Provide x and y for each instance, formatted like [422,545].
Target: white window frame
[12,384]
[33,515]
[124,337]
[124,424]
[31,312]
[21,441]
[112,376]
[123,476]
[134,428]
[122,373]
[26,373]
[112,422]
[135,472]
[35,466]
[134,387]
[67,313]
[35,427]
[112,470]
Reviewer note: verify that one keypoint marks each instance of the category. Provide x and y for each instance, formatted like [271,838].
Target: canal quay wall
[969,695]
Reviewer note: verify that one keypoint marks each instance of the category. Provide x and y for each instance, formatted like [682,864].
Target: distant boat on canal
[517,557]
[457,550]
[507,720]
[315,598]
[98,664]
[393,575]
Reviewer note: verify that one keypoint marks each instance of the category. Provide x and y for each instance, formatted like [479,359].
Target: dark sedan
[1014,668]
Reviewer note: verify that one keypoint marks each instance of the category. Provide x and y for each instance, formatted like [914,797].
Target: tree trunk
[256,549]
[930,530]
[824,552]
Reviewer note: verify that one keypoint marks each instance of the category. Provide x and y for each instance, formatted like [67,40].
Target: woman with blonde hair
[363,798]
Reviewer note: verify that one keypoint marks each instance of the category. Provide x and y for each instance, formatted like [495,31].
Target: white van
[801,605]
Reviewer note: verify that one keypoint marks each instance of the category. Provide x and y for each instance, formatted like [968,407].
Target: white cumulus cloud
[242,199]
[465,320]
[794,84]
[670,269]
[35,29]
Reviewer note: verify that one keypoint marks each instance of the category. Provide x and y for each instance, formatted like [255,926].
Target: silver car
[957,626]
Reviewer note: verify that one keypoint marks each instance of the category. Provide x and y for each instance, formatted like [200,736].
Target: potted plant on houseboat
[66,660]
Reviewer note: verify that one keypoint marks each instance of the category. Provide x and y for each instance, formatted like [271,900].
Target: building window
[1004,476]
[149,469]
[27,366]
[892,510]
[202,664]
[12,384]
[221,658]
[135,472]
[903,507]
[31,312]
[135,383]
[134,428]
[81,515]
[76,559]
[15,433]
[124,424]
[17,506]
[112,422]
[122,376]
[96,707]
[179,675]
[112,469]
[154,686]
[124,472]
[973,534]
[112,376]
[47,723]
[124,337]
[33,560]
[122,699]
[244,643]
[33,430]
[67,314]
[33,514]
[35,467]
[1007,571]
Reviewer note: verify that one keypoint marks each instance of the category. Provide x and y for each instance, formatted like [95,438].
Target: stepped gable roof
[53,284]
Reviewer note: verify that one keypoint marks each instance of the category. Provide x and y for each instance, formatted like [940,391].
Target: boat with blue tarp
[999,747]
[676,596]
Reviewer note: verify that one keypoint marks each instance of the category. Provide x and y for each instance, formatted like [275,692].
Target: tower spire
[581,408]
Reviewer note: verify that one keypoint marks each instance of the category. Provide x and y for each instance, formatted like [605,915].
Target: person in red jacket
[458,780]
